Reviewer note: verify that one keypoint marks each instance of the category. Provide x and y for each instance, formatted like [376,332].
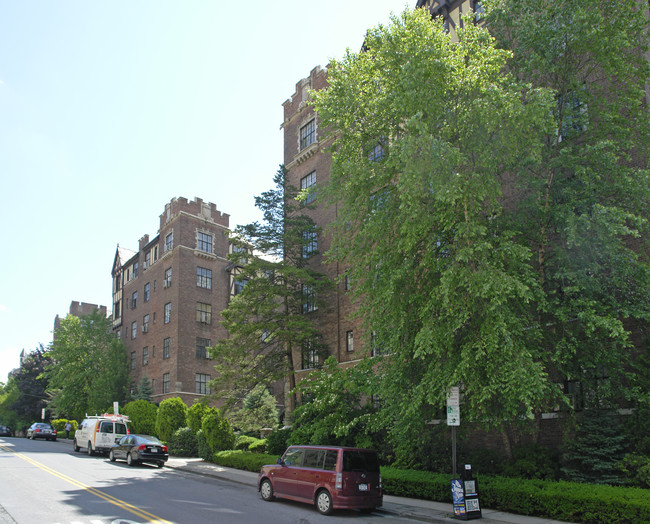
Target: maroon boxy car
[330,477]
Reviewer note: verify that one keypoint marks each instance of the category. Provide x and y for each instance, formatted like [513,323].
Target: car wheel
[90,448]
[266,490]
[161,464]
[75,446]
[111,456]
[324,502]
[130,461]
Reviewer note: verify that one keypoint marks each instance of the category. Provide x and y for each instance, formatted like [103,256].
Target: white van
[99,433]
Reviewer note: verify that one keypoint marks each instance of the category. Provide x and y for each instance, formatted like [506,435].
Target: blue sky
[108,110]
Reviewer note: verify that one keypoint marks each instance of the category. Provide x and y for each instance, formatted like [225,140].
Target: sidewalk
[424,510]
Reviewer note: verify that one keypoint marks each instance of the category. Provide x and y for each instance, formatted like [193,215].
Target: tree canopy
[488,205]
[89,370]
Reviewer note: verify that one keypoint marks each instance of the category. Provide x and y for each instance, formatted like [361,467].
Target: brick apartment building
[168,296]
[81,309]
[308,165]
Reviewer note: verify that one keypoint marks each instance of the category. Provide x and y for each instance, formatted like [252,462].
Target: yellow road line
[108,498]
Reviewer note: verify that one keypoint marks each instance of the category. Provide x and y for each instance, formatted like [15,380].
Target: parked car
[6,431]
[139,448]
[99,433]
[41,430]
[330,477]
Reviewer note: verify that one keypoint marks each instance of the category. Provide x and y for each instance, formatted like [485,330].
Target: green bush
[59,425]
[172,414]
[183,443]
[217,430]
[142,416]
[242,442]
[533,461]
[243,459]
[567,501]
[202,446]
[195,414]
[259,446]
[276,442]
[636,469]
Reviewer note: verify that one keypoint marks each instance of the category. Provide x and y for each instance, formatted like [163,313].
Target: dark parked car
[41,430]
[139,448]
[6,431]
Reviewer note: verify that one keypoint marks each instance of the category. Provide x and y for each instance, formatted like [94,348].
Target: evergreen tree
[31,385]
[144,390]
[266,323]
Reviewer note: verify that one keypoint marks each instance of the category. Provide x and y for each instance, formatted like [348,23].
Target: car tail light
[164,448]
[339,481]
[38,430]
[142,447]
[54,432]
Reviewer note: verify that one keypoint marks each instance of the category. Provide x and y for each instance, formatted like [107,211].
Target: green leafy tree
[265,321]
[8,395]
[583,210]
[172,415]
[31,385]
[338,406]
[426,133]
[259,411]
[89,370]
[142,415]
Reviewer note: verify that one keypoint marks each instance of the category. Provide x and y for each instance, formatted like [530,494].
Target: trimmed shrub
[172,414]
[533,461]
[244,441]
[217,430]
[195,414]
[636,469]
[276,442]
[259,446]
[566,501]
[142,415]
[202,446]
[183,443]
[243,459]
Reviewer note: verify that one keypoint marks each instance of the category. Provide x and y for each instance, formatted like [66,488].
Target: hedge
[568,501]
[243,459]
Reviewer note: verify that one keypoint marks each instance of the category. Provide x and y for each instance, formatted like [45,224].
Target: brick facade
[174,311]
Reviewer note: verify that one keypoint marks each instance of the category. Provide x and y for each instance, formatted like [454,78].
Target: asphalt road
[47,482]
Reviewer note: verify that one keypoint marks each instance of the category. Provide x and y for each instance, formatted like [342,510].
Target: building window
[238,286]
[147,292]
[307,184]
[375,347]
[203,313]
[349,341]
[169,242]
[204,242]
[309,356]
[201,382]
[308,134]
[309,243]
[132,388]
[132,359]
[135,269]
[145,356]
[116,310]
[167,347]
[168,278]
[376,153]
[147,260]
[134,329]
[168,312]
[201,347]
[308,299]
[134,300]
[145,324]
[165,383]
[204,277]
